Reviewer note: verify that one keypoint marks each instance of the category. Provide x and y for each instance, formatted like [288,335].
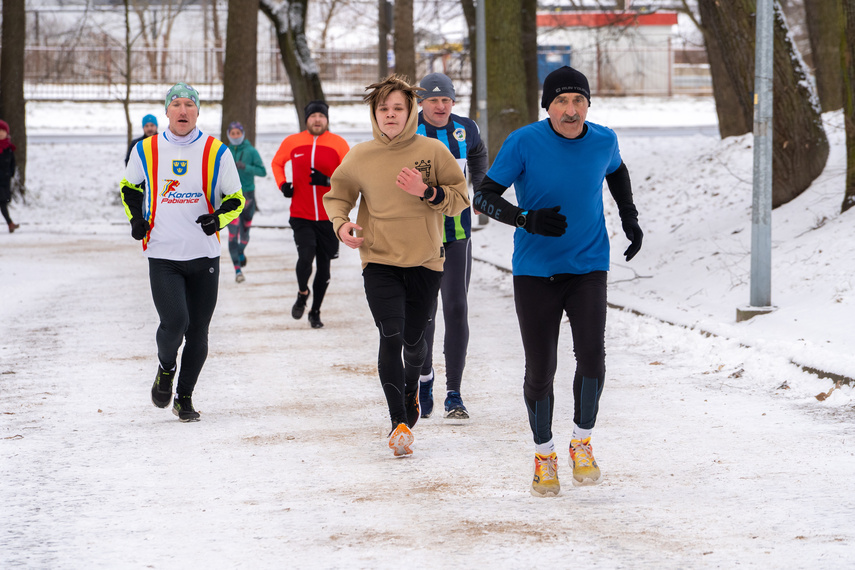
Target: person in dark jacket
[149,127]
[249,165]
[7,171]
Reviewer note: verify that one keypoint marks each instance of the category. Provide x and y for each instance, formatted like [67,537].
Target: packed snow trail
[707,460]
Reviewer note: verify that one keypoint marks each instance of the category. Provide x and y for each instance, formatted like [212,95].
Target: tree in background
[822,19]
[847,53]
[12,103]
[470,16]
[506,74]
[528,31]
[403,36]
[240,75]
[799,144]
[289,20]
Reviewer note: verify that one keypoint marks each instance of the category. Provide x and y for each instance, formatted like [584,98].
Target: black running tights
[185,295]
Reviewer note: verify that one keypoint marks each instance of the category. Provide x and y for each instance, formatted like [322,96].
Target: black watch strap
[521,219]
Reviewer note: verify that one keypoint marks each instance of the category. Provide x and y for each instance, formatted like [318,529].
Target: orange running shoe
[400,440]
[585,468]
[545,482]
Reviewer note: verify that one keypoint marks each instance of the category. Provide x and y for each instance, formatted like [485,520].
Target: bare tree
[289,20]
[403,37]
[506,76]
[528,31]
[824,32]
[847,52]
[12,103]
[472,34]
[800,146]
[241,67]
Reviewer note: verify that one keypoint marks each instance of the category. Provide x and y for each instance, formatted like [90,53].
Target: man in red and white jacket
[314,155]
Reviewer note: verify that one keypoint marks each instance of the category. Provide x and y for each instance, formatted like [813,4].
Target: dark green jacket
[246,153]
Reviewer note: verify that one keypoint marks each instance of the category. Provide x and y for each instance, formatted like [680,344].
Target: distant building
[619,52]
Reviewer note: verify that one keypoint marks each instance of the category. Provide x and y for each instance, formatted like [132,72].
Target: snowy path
[706,462]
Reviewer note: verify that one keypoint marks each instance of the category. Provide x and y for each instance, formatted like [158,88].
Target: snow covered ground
[716,451]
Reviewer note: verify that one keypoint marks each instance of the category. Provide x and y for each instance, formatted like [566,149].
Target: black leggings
[4,209]
[400,299]
[455,312]
[316,243]
[185,295]
[540,304]
[239,229]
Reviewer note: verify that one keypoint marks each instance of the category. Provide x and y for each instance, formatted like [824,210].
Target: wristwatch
[521,219]
[428,193]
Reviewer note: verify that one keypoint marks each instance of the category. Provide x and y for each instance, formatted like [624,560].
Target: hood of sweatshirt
[406,136]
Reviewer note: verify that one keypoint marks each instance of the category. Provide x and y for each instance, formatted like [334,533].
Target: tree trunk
[528,23]
[722,36]
[12,103]
[218,37]
[289,21]
[126,102]
[824,34]
[506,88]
[471,33]
[800,147]
[847,52]
[240,68]
[405,47]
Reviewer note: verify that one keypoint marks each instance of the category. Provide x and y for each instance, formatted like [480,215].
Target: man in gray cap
[559,165]
[463,139]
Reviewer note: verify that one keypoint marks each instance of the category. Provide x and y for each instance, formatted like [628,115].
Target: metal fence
[98,73]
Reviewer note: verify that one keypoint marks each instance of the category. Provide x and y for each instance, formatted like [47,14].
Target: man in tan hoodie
[406,183]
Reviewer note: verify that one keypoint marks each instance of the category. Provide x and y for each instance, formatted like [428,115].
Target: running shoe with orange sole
[400,440]
[545,482]
[585,468]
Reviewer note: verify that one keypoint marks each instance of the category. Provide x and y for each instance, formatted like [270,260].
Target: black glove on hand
[546,222]
[210,223]
[318,178]
[240,165]
[634,234]
[139,227]
[287,189]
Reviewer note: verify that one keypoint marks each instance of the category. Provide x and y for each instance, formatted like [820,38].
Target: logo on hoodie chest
[423,166]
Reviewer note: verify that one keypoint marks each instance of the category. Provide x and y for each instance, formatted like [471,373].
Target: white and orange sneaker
[400,440]
[545,482]
[585,468]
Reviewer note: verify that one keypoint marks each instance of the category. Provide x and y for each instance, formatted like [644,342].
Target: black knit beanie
[564,80]
[317,107]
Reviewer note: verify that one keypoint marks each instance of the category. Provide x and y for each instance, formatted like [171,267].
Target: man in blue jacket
[561,258]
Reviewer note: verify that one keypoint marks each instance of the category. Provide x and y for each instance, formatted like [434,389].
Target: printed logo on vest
[460,134]
[424,167]
[171,195]
[179,167]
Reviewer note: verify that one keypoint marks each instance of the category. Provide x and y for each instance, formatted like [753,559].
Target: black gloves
[318,178]
[240,165]
[287,189]
[139,227]
[634,234]
[546,222]
[210,223]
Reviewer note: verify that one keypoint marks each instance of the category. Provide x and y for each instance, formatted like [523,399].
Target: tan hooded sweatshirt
[399,229]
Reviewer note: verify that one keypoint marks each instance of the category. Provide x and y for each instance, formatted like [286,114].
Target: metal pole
[761,218]
[383,42]
[481,66]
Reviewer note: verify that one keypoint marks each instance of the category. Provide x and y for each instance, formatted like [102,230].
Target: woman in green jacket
[249,166]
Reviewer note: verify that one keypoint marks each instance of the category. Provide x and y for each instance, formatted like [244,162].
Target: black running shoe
[315,319]
[299,305]
[242,261]
[161,390]
[182,407]
[411,404]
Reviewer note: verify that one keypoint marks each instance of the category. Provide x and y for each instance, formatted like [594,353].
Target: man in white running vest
[191,191]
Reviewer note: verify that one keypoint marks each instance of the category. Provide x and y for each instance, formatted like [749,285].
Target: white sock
[581,434]
[545,448]
[426,377]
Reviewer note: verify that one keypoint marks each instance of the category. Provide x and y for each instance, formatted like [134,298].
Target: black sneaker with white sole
[161,390]
[182,407]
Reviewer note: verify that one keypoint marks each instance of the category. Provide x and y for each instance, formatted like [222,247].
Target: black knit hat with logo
[564,80]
